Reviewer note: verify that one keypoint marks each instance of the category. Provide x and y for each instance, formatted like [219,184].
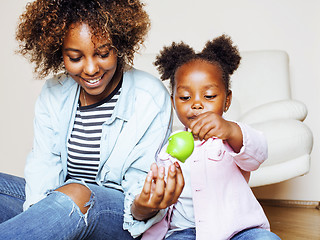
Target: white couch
[262,99]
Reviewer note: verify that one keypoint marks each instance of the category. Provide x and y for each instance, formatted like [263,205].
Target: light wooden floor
[294,223]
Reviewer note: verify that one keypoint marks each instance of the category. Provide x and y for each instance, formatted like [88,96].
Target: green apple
[180,145]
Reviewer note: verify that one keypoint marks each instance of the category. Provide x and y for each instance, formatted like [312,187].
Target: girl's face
[90,62]
[199,88]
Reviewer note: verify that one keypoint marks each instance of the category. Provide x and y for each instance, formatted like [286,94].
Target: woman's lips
[93,82]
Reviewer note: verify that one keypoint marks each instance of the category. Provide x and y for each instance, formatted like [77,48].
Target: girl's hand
[210,124]
[156,193]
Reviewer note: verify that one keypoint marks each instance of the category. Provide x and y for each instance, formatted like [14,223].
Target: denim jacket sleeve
[43,170]
[152,114]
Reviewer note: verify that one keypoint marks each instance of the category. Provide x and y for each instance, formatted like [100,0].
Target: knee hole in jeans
[79,193]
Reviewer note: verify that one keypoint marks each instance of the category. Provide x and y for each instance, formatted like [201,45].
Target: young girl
[217,202]
[98,123]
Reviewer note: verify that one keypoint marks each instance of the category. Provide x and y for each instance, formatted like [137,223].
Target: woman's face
[90,62]
[199,88]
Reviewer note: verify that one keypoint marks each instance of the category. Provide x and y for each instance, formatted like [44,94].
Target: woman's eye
[104,55]
[75,59]
[184,98]
[210,96]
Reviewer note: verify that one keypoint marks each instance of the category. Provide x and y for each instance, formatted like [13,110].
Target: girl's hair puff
[219,51]
[171,58]
[44,24]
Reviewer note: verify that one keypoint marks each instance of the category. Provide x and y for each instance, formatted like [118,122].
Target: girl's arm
[254,151]
[210,124]
[249,145]
[236,139]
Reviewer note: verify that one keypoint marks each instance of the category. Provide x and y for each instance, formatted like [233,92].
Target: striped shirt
[84,142]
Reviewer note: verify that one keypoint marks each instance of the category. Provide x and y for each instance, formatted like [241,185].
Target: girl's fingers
[208,131]
[197,126]
[210,134]
[196,121]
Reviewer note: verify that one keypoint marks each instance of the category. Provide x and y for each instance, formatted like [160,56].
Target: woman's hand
[210,124]
[156,193]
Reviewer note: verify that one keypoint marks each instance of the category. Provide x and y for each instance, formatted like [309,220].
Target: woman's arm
[151,123]
[43,170]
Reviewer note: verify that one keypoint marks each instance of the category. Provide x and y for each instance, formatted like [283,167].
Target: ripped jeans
[57,216]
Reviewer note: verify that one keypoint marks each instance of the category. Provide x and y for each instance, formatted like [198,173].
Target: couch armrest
[284,109]
[287,139]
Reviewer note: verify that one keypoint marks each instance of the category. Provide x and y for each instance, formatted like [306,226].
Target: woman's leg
[106,214]
[54,217]
[58,217]
[102,208]
[187,234]
[255,234]
[12,196]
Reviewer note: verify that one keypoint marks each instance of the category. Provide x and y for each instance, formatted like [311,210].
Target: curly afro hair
[44,24]
[220,52]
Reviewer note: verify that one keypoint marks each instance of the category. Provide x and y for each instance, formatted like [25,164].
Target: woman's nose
[91,67]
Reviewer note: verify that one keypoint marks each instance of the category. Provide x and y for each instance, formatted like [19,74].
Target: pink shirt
[222,199]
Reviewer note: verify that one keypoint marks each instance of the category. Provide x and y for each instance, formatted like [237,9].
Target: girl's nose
[91,67]
[197,105]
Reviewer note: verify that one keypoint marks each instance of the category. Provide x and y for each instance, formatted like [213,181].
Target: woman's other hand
[157,193]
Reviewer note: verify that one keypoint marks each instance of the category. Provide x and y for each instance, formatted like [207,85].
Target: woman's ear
[228,101]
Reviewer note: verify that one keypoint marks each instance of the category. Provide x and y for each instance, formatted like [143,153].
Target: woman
[97,127]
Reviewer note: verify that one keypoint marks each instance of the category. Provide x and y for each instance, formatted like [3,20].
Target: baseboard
[289,203]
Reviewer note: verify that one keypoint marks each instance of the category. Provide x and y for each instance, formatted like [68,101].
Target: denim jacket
[130,138]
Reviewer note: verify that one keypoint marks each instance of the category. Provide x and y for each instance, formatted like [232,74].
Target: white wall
[292,26]
[17,95]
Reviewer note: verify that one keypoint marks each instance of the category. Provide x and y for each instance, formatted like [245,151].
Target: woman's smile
[93,82]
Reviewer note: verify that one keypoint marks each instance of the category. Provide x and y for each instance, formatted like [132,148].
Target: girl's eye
[75,59]
[210,97]
[184,98]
